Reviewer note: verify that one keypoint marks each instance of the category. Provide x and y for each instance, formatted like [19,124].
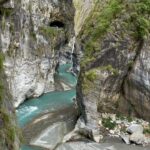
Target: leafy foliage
[8,130]
[1,69]
[147,130]
[140,18]
[90,75]
[98,24]
[48,31]
[108,123]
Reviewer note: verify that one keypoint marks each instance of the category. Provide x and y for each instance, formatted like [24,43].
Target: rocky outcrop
[137,84]
[135,135]
[114,68]
[83,9]
[95,146]
[102,77]
[32,33]
[57,123]
[9,132]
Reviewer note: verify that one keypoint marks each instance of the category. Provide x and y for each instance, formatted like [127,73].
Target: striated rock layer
[9,132]
[32,33]
[137,84]
[114,75]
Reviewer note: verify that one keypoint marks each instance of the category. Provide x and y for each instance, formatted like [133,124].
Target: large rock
[48,129]
[125,138]
[135,128]
[138,138]
[95,146]
[51,136]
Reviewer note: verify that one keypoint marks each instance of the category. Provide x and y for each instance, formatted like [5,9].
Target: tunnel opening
[57,24]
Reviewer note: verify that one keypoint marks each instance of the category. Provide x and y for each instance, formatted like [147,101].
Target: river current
[48,102]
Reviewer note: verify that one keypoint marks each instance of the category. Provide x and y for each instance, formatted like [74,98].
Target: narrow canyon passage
[52,108]
[74,75]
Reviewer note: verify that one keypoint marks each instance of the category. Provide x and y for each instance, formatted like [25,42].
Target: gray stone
[30,56]
[137,84]
[51,137]
[125,138]
[138,138]
[135,128]
[96,146]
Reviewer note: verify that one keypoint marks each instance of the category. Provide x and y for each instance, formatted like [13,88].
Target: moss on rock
[9,132]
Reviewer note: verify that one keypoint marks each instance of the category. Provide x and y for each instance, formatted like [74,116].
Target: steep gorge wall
[114,74]
[83,9]
[34,37]
[114,68]
[33,33]
[137,85]
[9,132]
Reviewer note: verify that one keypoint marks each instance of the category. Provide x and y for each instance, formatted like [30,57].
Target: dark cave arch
[57,23]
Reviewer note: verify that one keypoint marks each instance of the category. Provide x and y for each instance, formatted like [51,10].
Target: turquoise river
[51,101]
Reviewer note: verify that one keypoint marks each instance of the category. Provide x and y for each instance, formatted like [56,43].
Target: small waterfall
[73,48]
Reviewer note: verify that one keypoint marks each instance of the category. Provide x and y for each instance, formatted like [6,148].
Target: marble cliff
[108,42]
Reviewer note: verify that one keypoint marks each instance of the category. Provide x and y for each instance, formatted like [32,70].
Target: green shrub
[86,61]
[11,134]
[130,119]
[108,123]
[120,116]
[147,130]
[48,31]
[140,18]
[109,68]
[1,60]
[1,69]
[91,75]
[98,23]
[5,11]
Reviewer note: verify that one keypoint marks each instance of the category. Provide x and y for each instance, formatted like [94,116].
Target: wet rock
[51,136]
[39,130]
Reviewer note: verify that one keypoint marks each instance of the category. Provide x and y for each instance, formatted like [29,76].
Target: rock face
[137,84]
[83,9]
[102,77]
[50,131]
[35,36]
[32,33]
[136,135]
[114,74]
[9,132]
[95,146]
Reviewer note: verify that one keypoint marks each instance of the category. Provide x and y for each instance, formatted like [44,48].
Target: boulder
[138,138]
[125,138]
[135,128]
